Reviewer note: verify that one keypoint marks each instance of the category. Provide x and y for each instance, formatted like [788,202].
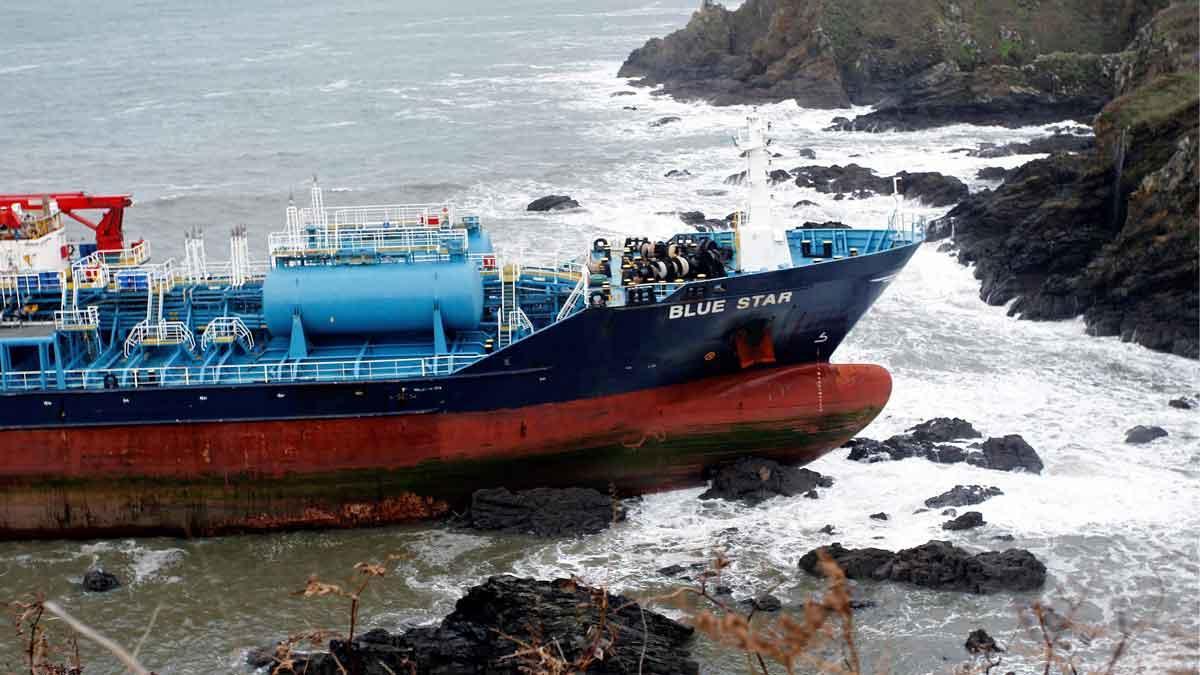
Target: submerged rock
[979,642]
[1142,434]
[938,565]
[963,495]
[663,121]
[97,580]
[552,203]
[967,521]
[481,635]
[1044,145]
[678,173]
[766,603]
[1182,403]
[546,512]
[752,480]
[879,516]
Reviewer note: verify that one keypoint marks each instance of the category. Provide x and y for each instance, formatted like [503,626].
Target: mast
[761,246]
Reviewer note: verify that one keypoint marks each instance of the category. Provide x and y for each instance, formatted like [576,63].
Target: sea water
[211,114]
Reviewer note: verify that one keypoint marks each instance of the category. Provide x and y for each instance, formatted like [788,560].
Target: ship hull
[640,398]
[220,477]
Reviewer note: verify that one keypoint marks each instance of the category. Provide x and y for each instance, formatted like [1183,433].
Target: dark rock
[963,495]
[938,565]
[931,188]
[97,580]
[753,480]
[672,570]
[546,512]
[552,203]
[841,179]
[1182,403]
[1043,145]
[950,512]
[767,603]
[919,511]
[859,563]
[943,429]
[804,202]
[967,521]
[1141,434]
[691,217]
[723,590]
[979,642]
[879,516]
[996,94]
[777,176]
[663,121]
[812,494]
[629,107]
[678,173]
[1008,453]
[806,153]
[992,173]
[1004,537]
[558,613]
[736,179]
[622,93]
[828,529]
[712,193]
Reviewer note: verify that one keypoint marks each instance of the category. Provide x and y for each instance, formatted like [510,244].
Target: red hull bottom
[214,478]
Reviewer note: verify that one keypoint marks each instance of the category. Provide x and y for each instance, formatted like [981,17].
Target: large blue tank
[373,299]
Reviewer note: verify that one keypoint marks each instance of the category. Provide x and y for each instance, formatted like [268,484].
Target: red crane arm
[108,229]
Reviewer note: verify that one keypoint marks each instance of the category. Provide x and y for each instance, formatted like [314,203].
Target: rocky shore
[1107,230]
[1112,234]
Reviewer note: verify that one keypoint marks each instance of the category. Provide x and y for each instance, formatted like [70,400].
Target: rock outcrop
[1112,234]
[545,512]
[482,634]
[963,495]
[934,189]
[552,203]
[967,521]
[1007,453]
[938,565]
[1144,434]
[917,59]
[752,480]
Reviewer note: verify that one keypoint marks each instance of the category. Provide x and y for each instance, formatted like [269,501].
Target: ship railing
[147,277]
[76,320]
[222,273]
[395,215]
[135,255]
[263,373]
[908,228]
[396,240]
[22,284]
[159,334]
[577,295]
[225,330]
[519,324]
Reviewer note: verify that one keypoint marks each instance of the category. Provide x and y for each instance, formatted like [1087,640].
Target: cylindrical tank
[373,299]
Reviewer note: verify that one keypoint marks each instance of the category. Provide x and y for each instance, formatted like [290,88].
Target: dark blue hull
[705,329]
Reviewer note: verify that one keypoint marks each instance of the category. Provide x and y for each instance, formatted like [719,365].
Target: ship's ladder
[510,274]
[226,330]
[577,294]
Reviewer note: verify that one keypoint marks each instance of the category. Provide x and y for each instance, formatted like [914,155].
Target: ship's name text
[717,306]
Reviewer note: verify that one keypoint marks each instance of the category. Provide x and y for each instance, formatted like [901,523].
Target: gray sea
[211,113]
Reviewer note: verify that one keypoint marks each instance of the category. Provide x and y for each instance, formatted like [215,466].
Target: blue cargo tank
[373,299]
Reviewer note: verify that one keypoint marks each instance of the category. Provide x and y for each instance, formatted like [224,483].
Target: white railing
[395,215]
[137,254]
[908,228]
[84,319]
[163,333]
[366,240]
[304,371]
[225,330]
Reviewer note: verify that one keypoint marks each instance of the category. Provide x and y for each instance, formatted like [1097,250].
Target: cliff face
[827,53]
[1113,235]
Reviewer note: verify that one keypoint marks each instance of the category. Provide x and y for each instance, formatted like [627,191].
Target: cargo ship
[383,362]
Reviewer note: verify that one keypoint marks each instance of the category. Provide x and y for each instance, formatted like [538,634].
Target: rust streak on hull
[212,478]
